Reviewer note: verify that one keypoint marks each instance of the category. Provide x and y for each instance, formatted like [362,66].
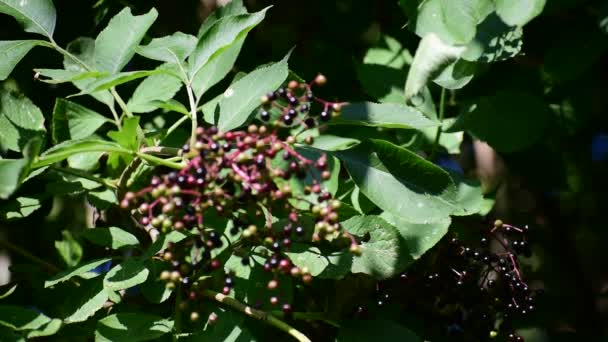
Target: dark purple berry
[265,115]
[325,116]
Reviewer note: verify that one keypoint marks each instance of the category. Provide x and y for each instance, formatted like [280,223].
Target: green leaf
[50,328]
[509,120]
[154,289]
[456,74]
[102,199]
[116,44]
[135,326]
[391,247]
[432,56]
[171,49]
[400,181]
[375,331]
[381,82]
[9,291]
[519,12]
[112,237]
[69,249]
[37,16]
[11,52]
[19,208]
[328,142]
[107,82]
[390,54]
[83,48]
[171,106]
[418,238]
[153,90]
[242,97]
[233,7]
[219,36]
[56,76]
[211,108]
[317,262]
[389,115]
[127,136]
[87,161]
[84,300]
[161,243]
[454,21]
[15,171]
[125,275]
[386,85]
[450,141]
[75,271]
[470,198]
[19,318]
[73,121]
[64,150]
[384,254]
[20,121]
[494,41]
[218,67]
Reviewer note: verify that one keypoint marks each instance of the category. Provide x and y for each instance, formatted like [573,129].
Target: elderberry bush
[173,191]
[241,179]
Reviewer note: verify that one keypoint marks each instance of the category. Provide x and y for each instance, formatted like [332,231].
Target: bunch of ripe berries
[297,104]
[236,196]
[470,286]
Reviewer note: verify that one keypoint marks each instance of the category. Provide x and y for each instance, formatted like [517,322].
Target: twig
[159,161]
[160,151]
[192,113]
[120,102]
[257,314]
[29,256]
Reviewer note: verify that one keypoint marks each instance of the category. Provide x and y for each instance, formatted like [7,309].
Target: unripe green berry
[335,204]
[156,222]
[175,276]
[165,275]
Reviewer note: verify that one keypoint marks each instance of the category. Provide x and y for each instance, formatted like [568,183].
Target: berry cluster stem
[257,314]
[193,118]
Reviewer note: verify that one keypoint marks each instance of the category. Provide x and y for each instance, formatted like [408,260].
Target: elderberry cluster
[297,103]
[235,197]
[475,289]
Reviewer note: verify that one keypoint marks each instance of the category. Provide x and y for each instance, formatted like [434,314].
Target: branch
[257,314]
[192,114]
[18,250]
[160,161]
[160,151]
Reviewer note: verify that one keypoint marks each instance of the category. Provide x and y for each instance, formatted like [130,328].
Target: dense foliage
[161,185]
